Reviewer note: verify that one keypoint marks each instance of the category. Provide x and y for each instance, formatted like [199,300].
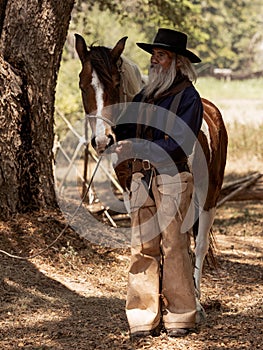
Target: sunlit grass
[242,110]
[215,89]
[245,140]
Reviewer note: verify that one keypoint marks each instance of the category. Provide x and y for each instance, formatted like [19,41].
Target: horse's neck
[131,80]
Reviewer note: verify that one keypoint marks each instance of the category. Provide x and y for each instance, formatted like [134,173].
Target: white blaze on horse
[106,79]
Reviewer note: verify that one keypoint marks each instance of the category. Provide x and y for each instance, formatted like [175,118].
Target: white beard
[159,79]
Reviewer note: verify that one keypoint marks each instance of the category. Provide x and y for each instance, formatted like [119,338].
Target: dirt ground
[73,295]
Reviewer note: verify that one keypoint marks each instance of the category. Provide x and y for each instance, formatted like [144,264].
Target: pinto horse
[106,79]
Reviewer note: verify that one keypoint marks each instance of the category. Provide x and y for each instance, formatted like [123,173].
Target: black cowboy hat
[171,40]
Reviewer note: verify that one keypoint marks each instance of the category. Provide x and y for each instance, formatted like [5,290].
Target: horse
[108,78]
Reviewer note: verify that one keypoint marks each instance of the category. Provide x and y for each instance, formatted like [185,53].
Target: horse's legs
[206,219]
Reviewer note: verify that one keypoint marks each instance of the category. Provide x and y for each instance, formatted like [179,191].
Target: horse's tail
[210,256]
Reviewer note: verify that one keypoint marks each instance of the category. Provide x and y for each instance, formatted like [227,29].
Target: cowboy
[161,292]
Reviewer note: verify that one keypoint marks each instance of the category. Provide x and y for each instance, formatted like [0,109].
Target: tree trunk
[32,38]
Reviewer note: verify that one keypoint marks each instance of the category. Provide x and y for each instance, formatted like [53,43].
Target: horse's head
[100,83]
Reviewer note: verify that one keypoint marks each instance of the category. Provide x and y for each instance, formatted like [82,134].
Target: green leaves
[224,33]
[230,26]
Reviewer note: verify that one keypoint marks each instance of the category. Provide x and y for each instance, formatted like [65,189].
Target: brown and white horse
[106,79]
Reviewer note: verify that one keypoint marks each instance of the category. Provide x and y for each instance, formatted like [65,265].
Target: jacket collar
[180,83]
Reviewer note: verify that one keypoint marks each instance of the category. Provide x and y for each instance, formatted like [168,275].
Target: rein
[93,116]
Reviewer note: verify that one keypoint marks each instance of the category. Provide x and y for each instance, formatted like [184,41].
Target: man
[161,289]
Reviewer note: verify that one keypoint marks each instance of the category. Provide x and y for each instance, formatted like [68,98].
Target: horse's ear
[118,49]
[81,47]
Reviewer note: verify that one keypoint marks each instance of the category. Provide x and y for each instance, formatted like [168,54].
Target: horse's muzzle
[101,143]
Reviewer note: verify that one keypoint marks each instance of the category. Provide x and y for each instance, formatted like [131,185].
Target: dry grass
[73,296]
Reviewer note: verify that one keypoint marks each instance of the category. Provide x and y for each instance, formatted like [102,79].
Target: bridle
[97,116]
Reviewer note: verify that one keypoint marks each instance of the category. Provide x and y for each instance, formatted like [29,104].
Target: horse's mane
[131,79]
[100,60]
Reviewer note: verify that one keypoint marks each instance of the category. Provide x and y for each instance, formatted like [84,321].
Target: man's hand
[124,149]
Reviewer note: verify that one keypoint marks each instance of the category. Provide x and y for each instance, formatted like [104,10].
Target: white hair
[160,80]
[187,69]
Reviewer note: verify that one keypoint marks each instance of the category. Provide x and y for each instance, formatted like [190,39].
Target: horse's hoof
[200,317]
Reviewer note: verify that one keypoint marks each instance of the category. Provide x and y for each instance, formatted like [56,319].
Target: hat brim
[184,52]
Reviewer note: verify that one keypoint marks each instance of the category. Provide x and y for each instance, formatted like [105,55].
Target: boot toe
[178,332]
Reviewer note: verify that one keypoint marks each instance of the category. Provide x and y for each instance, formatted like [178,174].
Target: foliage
[233,29]
[225,34]
[106,28]
[129,18]
[180,13]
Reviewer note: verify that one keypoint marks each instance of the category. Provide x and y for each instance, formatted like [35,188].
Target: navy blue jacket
[160,134]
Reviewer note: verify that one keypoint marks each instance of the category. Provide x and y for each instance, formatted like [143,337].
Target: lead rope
[65,228]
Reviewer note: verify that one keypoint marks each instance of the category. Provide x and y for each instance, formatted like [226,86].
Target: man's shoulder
[191,90]
[190,93]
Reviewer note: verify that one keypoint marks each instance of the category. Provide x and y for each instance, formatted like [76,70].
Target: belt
[144,166]
[173,169]
[139,166]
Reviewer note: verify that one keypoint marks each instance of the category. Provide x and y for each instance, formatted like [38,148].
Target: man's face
[161,57]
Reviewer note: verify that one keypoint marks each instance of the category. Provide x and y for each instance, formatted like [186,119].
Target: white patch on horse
[98,89]
[206,218]
[101,139]
[205,129]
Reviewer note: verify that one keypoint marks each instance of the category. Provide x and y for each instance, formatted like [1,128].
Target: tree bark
[31,43]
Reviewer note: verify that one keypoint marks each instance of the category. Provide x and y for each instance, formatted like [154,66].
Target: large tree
[31,42]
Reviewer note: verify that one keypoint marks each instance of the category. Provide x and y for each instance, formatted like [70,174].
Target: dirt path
[73,296]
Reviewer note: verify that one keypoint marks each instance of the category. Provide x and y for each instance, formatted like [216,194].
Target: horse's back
[214,119]
[214,145]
